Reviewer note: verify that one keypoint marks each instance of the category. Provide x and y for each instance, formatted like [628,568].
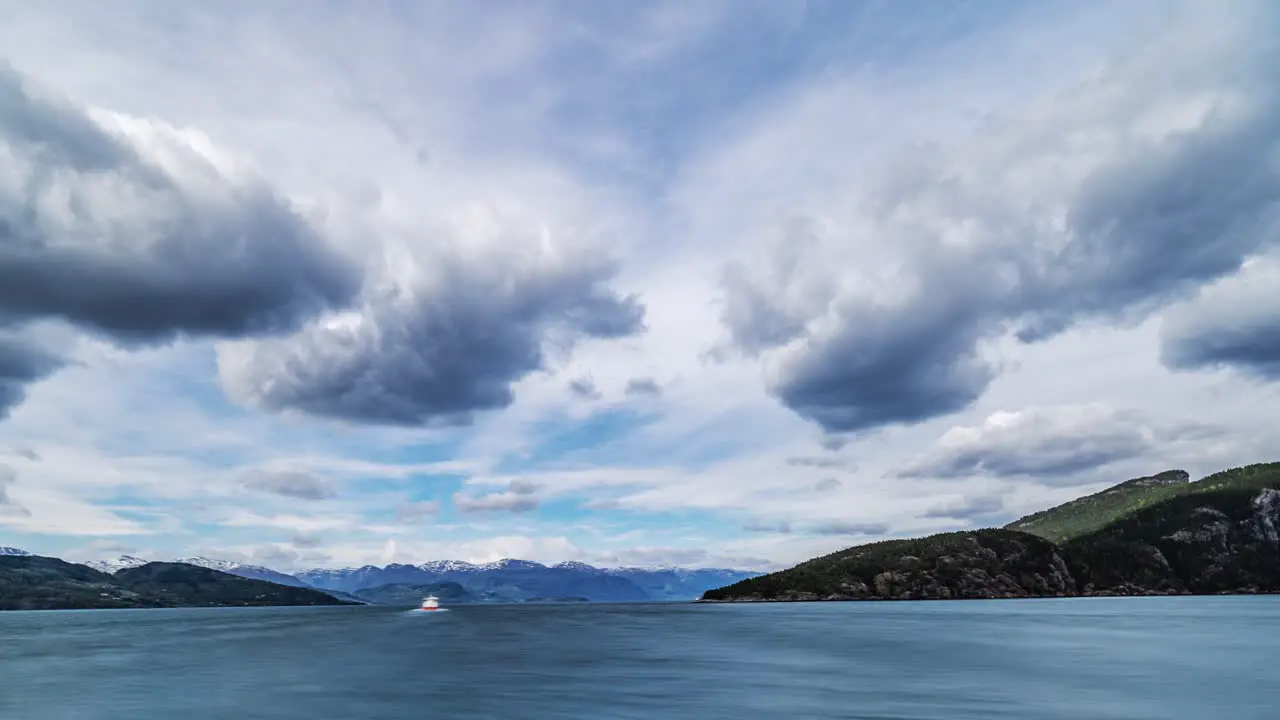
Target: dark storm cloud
[1146,223]
[643,386]
[299,485]
[21,363]
[95,232]
[438,356]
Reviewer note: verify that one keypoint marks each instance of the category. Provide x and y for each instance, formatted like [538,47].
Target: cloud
[142,231]
[967,508]
[275,556]
[447,342]
[818,462]
[1047,443]
[25,452]
[584,388]
[518,498]
[676,557]
[827,484]
[300,485]
[306,540]
[643,387]
[1233,324]
[837,527]
[7,505]
[1108,200]
[21,363]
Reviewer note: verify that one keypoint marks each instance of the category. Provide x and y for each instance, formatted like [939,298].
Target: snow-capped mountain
[253,572]
[447,566]
[117,564]
[519,579]
[13,552]
[204,562]
[577,566]
[509,564]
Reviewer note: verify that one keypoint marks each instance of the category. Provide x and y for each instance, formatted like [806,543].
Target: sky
[698,283]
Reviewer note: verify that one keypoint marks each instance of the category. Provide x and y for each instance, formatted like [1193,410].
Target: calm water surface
[1131,659]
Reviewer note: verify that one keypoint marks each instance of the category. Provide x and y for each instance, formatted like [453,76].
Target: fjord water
[1122,658]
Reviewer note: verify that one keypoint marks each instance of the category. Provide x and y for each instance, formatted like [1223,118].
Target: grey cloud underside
[584,388]
[1256,351]
[969,507]
[298,485]
[1053,445]
[644,386]
[94,232]
[519,497]
[306,541]
[7,505]
[848,528]
[437,355]
[1044,457]
[835,527]
[21,363]
[1235,326]
[1149,224]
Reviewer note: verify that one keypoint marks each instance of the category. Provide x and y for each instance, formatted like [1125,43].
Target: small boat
[430,602]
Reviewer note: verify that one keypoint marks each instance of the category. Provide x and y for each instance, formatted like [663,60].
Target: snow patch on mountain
[115,565]
[13,552]
[578,566]
[446,566]
[510,564]
[252,572]
[225,566]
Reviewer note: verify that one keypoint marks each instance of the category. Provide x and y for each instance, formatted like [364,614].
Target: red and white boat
[430,602]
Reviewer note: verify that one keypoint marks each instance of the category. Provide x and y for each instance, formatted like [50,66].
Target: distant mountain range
[506,580]
[519,580]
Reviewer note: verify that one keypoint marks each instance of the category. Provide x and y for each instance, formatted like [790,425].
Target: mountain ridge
[1218,535]
[506,579]
[33,582]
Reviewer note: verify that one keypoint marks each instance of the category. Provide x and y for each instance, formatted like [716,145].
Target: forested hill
[1218,535]
[32,582]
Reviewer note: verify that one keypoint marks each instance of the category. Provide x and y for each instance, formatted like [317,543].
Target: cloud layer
[142,231]
[1106,200]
